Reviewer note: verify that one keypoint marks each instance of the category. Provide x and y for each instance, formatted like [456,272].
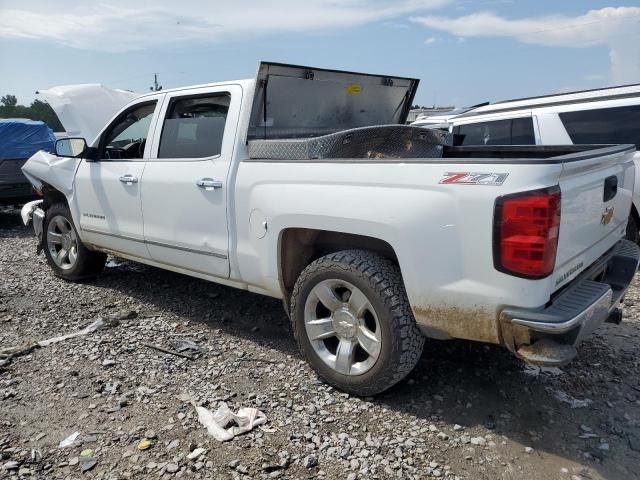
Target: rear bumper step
[550,335]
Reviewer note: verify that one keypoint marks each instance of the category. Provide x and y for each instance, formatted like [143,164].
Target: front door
[108,190]
[184,188]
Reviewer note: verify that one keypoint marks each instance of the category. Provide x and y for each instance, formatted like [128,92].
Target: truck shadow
[481,388]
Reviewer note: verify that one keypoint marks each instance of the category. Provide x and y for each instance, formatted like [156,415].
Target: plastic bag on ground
[245,420]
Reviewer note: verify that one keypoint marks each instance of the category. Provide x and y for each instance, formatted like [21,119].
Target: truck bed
[413,143]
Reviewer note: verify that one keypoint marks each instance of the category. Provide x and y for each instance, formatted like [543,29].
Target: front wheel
[353,323]
[66,255]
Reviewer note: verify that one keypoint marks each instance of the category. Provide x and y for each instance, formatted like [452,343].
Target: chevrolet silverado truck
[303,184]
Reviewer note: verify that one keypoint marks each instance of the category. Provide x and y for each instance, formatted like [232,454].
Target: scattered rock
[87,463]
[478,441]
[310,461]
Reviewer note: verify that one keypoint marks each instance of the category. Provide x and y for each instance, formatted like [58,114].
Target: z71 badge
[474,178]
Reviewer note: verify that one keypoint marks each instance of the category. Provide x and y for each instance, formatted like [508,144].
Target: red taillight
[526,228]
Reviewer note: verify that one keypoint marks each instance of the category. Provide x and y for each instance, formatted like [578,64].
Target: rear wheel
[632,230]
[353,324]
[66,255]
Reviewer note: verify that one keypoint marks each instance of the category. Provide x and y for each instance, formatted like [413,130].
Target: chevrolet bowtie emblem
[606,216]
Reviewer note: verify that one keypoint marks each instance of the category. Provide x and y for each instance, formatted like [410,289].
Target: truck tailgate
[595,203]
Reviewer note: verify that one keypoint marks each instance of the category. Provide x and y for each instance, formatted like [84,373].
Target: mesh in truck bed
[386,141]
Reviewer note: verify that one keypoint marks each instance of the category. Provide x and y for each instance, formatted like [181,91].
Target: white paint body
[441,234]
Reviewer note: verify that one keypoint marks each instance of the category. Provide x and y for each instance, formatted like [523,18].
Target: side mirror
[71,147]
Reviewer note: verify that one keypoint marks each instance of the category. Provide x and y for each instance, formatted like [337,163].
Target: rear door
[185,186]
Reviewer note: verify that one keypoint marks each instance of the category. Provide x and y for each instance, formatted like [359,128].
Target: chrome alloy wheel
[342,327]
[62,242]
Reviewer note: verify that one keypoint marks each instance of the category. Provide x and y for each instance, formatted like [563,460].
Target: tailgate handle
[610,188]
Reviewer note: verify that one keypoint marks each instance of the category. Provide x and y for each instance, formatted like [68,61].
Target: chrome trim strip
[185,249]
[156,244]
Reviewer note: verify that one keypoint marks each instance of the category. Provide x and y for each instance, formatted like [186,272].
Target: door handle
[129,179]
[209,183]
[610,188]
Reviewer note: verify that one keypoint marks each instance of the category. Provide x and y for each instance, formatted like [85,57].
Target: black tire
[88,264]
[381,282]
[632,230]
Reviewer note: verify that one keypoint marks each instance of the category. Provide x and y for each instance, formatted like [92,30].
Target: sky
[464,51]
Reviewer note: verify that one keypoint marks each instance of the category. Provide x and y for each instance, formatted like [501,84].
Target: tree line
[38,110]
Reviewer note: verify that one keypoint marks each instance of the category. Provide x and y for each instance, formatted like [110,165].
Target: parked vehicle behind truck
[19,139]
[303,184]
[599,116]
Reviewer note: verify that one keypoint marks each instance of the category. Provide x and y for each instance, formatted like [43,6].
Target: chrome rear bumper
[549,335]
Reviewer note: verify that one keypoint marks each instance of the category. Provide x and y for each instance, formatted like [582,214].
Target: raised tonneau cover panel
[382,141]
[299,102]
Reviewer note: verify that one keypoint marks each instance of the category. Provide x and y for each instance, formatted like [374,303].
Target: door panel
[186,225]
[110,211]
[184,192]
[108,190]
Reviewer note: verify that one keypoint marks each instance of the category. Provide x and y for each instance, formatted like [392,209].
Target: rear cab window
[514,131]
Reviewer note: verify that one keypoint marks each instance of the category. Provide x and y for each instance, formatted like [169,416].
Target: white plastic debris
[98,324]
[28,209]
[67,442]
[572,402]
[196,453]
[245,420]
[535,371]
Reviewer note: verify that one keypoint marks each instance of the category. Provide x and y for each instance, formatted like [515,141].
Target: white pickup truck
[304,185]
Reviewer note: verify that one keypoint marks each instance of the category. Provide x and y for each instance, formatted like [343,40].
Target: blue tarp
[21,138]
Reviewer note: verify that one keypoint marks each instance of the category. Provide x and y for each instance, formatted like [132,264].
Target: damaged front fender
[58,172]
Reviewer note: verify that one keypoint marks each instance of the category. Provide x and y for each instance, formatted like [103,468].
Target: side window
[604,125]
[518,131]
[485,133]
[522,131]
[194,126]
[127,136]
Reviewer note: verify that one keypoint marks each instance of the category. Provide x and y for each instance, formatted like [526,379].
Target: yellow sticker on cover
[354,89]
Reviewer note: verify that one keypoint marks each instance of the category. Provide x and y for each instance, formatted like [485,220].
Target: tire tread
[384,277]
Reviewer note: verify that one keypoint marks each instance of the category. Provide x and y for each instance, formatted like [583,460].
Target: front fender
[59,172]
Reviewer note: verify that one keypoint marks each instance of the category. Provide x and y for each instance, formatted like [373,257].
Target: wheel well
[301,246]
[52,196]
[634,214]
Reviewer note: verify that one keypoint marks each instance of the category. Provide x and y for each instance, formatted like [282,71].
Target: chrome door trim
[157,244]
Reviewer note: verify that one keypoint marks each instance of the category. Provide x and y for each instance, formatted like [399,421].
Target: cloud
[616,27]
[430,40]
[118,25]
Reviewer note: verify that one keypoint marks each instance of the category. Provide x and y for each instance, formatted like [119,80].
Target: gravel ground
[468,411]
